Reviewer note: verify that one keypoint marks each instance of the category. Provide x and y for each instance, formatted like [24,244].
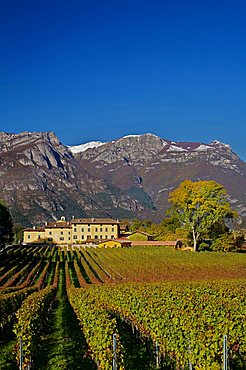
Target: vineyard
[123,308]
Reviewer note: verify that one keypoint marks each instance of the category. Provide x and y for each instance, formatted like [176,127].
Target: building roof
[153,243]
[121,241]
[58,225]
[61,224]
[140,232]
[94,221]
[35,229]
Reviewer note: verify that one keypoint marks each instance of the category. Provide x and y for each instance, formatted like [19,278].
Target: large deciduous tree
[6,225]
[202,208]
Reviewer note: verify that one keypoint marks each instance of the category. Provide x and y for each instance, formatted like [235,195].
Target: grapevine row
[10,303]
[32,320]
[188,321]
[98,328]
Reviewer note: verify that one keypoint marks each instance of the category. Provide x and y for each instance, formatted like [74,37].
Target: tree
[18,234]
[229,242]
[6,225]
[168,229]
[136,224]
[202,208]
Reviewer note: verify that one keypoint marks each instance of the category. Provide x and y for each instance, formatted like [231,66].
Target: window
[82,237]
[50,232]
[101,236]
[61,232]
[101,229]
[39,237]
[28,236]
[106,229]
[69,233]
[69,238]
[112,236]
[96,236]
[75,237]
[82,230]
[106,236]
[75,230]
[61,238]
[89,229]
[49,239]
[112,229]
[96,229]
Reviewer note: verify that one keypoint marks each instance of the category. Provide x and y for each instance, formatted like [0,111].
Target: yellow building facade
[58,232]
[33,235]
[77,231]
[94,229]
[114,244]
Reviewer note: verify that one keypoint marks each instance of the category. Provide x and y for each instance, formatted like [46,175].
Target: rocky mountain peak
[137,149]
[140,149]
[219,144]
[42,179]
[16,142]
[148,142]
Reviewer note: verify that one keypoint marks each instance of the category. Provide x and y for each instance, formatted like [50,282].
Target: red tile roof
[58,225]
[94,221]
[34,229]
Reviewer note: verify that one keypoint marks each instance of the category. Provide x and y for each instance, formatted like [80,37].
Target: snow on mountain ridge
[172,146]
[202,148]
[219,143]
[176,148]
[83,147]
[148,134]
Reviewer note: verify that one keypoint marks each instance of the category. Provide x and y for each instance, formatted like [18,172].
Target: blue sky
[98,70]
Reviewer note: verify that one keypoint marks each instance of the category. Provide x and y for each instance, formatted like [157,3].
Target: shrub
[226,243]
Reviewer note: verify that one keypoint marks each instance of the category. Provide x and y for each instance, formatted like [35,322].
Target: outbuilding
[115,243]
[140,236]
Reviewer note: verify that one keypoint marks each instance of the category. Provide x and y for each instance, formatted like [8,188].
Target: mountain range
[42,179]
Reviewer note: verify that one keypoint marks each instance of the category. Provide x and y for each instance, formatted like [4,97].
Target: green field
[166,309]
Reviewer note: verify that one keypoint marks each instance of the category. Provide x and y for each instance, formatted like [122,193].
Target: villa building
[80,230]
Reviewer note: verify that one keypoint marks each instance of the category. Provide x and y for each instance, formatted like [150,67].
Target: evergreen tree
[6,225]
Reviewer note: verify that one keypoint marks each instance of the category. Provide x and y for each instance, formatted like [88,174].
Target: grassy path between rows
[138,352]
[63,347]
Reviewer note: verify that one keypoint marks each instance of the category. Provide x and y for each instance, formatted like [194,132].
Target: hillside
[42,179]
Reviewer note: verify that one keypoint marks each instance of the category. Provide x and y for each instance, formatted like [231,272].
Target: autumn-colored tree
[202,208]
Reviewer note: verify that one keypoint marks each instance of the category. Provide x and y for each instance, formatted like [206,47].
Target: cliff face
[42,179]
[37,174]
[150,167]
